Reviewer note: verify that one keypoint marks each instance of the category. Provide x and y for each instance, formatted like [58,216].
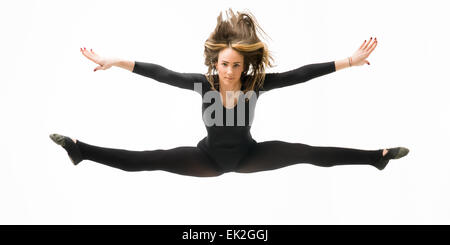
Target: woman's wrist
[343,63]
[125,64]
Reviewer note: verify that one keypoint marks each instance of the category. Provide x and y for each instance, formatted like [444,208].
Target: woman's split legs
[269,155]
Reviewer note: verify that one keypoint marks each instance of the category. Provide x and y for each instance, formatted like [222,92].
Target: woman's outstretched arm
[150,70]
[105,63]
[310,71]
[164,75]
[298,75]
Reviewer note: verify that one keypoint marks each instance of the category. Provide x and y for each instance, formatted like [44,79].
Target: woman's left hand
[360,56]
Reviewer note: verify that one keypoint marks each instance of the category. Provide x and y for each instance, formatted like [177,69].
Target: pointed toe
[403,151]
[70,146]
[58,139]
[397,152]
[393,153]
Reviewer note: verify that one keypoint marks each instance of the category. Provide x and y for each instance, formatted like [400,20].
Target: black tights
[190,160]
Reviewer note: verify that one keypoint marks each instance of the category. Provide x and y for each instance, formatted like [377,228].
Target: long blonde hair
[238,33]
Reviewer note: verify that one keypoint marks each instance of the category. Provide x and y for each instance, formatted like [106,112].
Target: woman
[236,60]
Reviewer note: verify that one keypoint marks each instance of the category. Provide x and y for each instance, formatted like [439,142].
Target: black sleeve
[164,75]
[299,75]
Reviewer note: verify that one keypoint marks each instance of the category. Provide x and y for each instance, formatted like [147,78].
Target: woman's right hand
[104,63]
[360,56]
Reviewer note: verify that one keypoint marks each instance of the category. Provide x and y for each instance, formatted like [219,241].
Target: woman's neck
[235,87]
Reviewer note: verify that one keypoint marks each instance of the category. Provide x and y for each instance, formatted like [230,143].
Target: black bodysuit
[228,145]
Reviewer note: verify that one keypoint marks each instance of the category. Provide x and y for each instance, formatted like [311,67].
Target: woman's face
[230,67]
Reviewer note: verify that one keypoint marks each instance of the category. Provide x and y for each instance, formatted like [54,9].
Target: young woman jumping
[236,60]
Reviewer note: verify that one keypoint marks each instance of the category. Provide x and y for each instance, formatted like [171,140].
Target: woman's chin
[228,82]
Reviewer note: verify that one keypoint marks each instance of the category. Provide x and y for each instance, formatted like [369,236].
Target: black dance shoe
[71,147]
[393,153]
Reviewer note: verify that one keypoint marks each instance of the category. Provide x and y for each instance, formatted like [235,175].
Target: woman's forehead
[231,57]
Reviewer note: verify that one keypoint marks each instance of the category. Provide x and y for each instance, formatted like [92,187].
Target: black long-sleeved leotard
[228,141]
[228,146]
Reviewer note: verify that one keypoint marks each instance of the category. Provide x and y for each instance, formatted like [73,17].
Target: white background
[47,86]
